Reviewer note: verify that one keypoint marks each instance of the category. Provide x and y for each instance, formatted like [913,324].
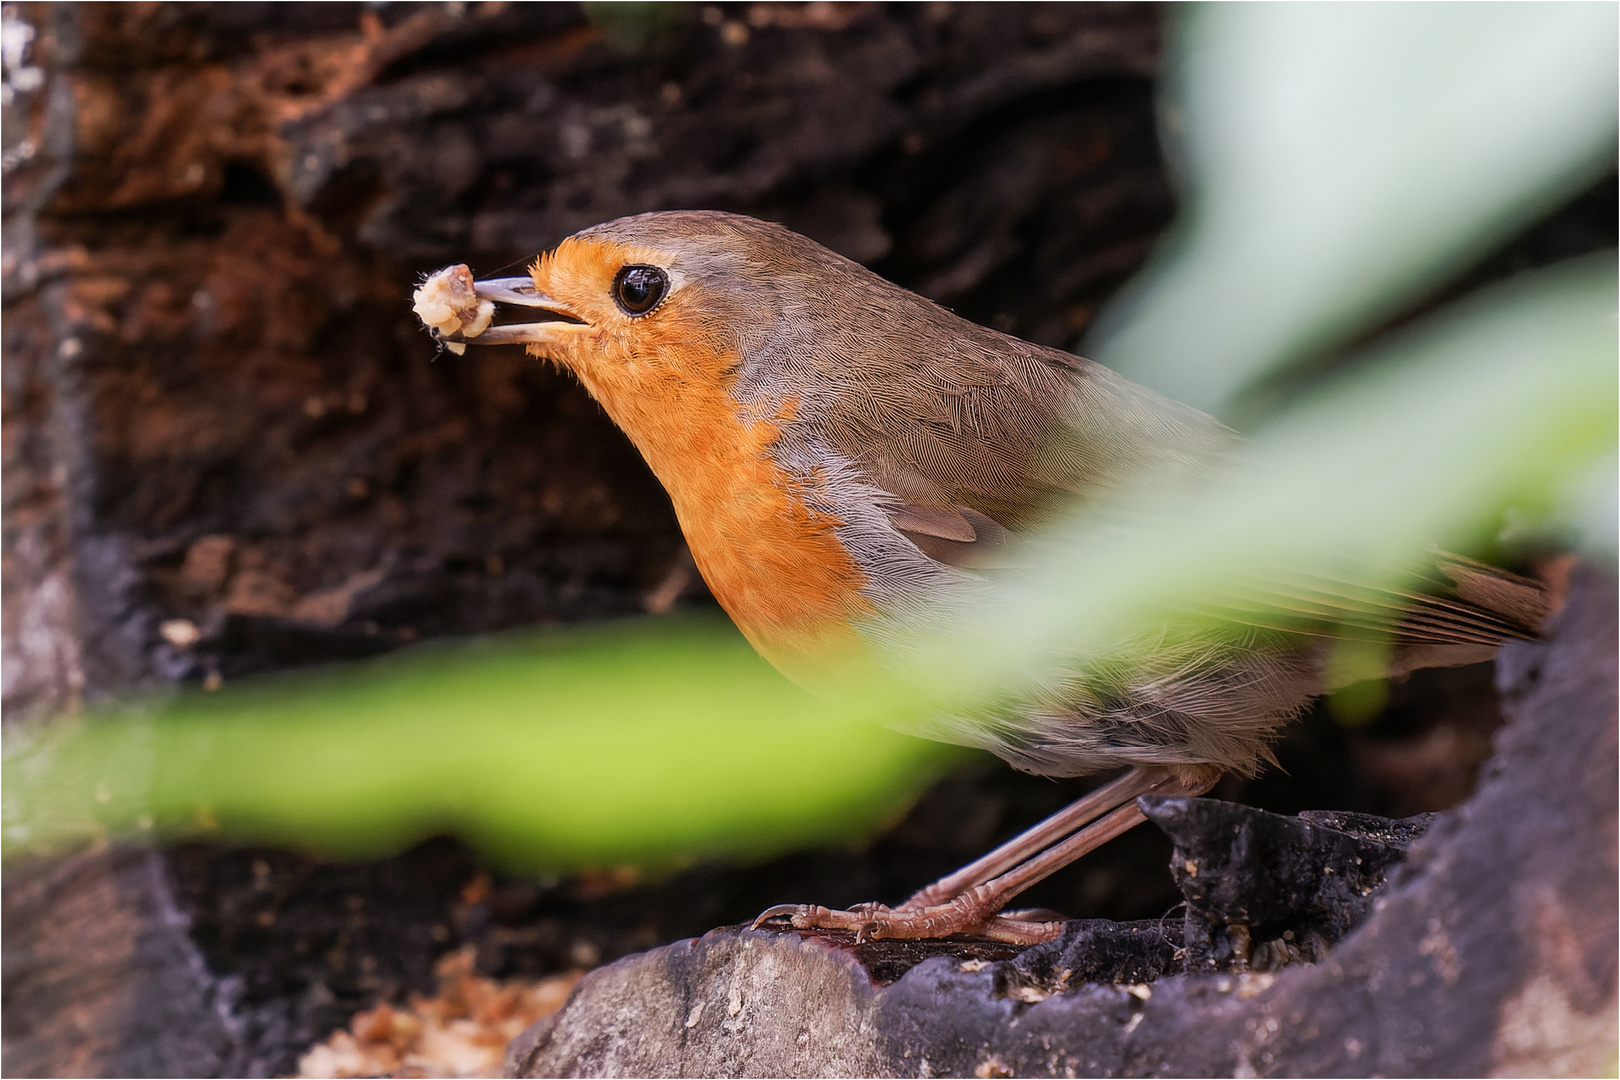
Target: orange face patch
[772,562]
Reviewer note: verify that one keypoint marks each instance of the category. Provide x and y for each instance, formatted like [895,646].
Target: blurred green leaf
[644,742]
[1340,159]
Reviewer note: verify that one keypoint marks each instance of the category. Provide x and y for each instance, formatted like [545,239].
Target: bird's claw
[861,918]
[775,911]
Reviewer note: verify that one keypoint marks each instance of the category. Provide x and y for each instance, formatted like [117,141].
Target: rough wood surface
[101,974]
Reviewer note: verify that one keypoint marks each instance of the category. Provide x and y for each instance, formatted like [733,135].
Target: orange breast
[775,564]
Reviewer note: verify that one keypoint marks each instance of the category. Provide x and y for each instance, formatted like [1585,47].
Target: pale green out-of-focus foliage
[1340,159]
[624,742]
[1337,161]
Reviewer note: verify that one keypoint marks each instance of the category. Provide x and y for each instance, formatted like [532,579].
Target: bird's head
[643,306]
[660,316]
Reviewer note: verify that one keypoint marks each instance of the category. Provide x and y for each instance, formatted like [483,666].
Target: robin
[848,459]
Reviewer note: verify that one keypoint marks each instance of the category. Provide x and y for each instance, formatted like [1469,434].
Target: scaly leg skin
[970,901]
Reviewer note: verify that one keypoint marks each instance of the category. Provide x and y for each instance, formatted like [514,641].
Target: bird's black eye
[638,288]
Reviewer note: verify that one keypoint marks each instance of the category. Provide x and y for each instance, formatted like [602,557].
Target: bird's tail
[1473,609]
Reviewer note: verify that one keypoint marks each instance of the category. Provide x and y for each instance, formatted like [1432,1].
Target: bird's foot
[967,914]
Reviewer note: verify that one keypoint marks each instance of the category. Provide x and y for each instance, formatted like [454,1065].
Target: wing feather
[1015,432]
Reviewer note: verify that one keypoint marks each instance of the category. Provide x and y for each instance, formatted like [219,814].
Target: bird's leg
[1039,837]
[971,899]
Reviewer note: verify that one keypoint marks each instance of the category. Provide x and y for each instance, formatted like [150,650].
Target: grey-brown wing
[976,455]
[988,443]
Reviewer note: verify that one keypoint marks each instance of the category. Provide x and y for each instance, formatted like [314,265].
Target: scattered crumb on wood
[460,1032]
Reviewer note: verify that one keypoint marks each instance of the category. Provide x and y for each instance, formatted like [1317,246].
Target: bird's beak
[520,292]
[459,310]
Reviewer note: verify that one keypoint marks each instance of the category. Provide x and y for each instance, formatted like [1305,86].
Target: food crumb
[460,1032]
[449,306]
